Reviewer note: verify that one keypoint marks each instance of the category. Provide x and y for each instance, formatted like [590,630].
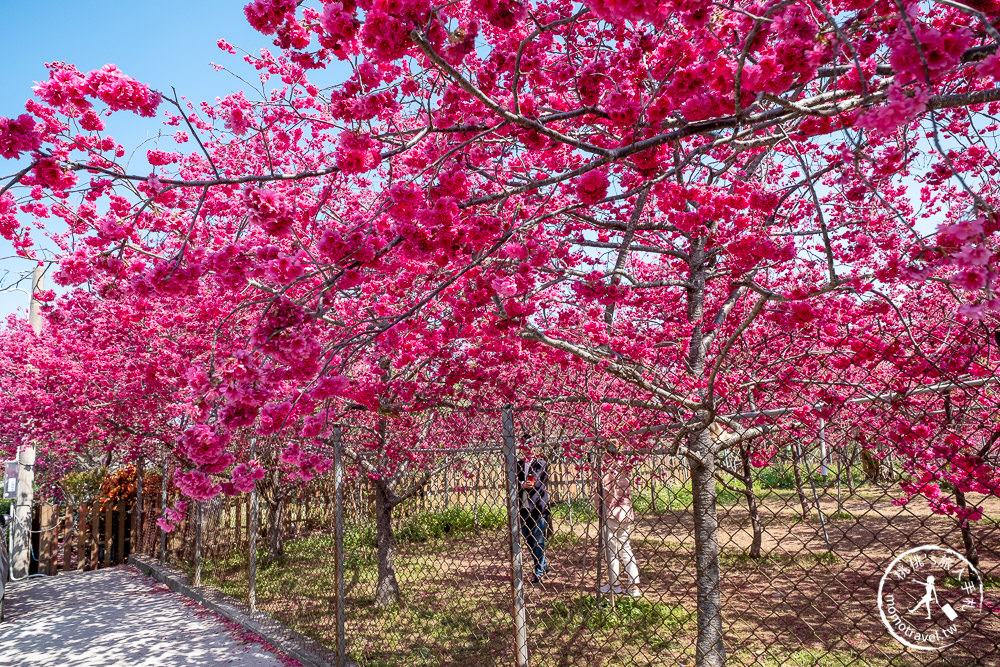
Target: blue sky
[162,44]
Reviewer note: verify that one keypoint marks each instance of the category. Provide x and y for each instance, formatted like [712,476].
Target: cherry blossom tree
[92,382]
[658,191]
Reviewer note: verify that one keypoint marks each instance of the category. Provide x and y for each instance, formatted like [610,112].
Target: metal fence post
[514,524]
[819,508]
[823,455]
[338,477]
[598,468]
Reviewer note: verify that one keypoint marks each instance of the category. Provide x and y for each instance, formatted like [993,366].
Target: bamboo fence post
[46,527]
[108,532]
[174,537]
[95,537]
[81,537]
[67,537]
[122,556]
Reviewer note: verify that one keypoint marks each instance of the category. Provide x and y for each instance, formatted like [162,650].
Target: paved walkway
[116,616]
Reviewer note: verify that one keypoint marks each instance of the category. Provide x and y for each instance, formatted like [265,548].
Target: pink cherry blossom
[592,186]
[18,135]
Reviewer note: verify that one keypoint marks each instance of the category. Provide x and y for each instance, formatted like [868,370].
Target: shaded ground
[802,603]
[116,616]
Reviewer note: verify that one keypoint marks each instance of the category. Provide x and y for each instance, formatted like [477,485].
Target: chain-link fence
[836,511]
[513,545]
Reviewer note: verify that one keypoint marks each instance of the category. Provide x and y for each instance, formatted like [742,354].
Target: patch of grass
[359,536]
[304,571]
[776,477]
[761,656]
[670,498]
[782,476]
[358,551]
[452,522]
[635,615]
[783,494]
[666,498]
[562,539]
[428,630]
[821,557]
[840,516]
[581,510]
[742,558]
[989,581]
[729,496]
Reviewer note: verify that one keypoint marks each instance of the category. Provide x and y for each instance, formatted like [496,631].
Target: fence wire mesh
[535,538]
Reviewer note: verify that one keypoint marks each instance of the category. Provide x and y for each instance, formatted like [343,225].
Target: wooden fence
[91,536]
[80,538]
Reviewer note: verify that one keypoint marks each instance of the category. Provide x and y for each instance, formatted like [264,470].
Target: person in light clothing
[618,518]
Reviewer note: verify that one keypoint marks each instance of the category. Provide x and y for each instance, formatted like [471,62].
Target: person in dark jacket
[533,481]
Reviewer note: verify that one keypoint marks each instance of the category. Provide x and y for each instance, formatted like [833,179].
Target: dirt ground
[796,605]
[809,599]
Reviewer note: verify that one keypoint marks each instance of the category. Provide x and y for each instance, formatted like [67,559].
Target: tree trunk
[852,455]
[758,529]
[387,590]
[710,650]
[803,500]
[878,470]
[275,522]
[971,554]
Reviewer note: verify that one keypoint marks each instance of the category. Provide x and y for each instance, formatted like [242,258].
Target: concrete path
[116,616]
